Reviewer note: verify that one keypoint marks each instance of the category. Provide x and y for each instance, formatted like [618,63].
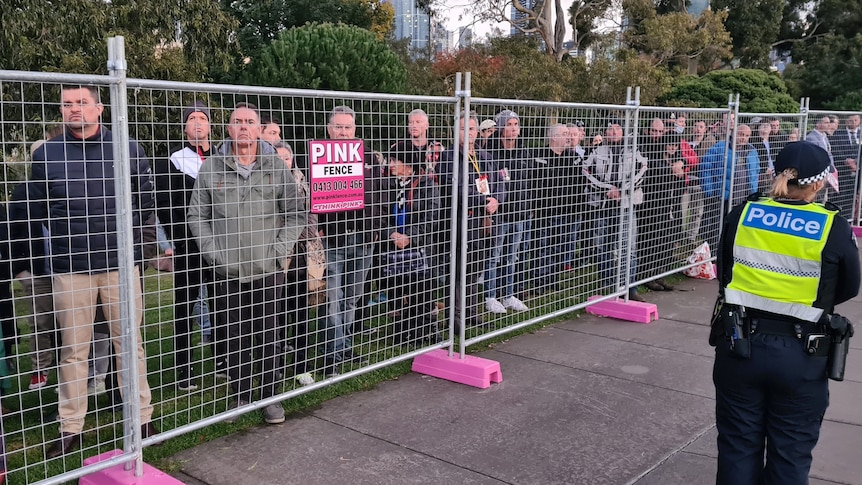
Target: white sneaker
[96,387]
[305,379]
[515,304]
[494,306]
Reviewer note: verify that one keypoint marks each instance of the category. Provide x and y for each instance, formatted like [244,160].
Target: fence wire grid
[480,216]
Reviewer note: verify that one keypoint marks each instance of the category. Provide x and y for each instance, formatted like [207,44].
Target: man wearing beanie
[175,178]
[514,165]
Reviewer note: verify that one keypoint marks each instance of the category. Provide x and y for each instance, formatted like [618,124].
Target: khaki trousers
[75,296]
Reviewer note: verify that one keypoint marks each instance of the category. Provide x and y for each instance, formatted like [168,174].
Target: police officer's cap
[810,161]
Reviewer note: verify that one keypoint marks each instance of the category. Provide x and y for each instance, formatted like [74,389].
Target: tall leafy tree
[754,26]
[261,21]
[828,55]
[332,57]
[759,91]
[178,40]
[583,17]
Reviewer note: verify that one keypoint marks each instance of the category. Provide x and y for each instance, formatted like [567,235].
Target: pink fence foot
[473,371]
[633,311]
[857,231]
[116,475]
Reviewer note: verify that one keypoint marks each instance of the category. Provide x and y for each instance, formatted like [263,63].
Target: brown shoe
[148,430]
[68,442]
[635,296]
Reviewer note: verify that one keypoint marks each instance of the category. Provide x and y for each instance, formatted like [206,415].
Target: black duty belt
[786,328]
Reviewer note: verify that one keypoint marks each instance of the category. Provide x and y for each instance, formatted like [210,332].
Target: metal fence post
[455,300]
[729,157]
[123,188]
[630,134]
[463,223]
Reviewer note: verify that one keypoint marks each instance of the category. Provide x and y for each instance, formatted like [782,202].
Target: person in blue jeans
[515,166]
[347,240]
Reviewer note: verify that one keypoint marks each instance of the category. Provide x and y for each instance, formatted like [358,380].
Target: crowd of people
[245,244]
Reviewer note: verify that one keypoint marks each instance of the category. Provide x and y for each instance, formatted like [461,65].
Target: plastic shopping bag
[705,270]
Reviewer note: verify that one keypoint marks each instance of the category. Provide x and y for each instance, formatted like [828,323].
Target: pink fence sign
[337,176]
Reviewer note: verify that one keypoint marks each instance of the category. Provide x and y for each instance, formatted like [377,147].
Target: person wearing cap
[611,193]
[784,262]
[411,204]
[486,130]
[514,163]
[246,215]
[175,178]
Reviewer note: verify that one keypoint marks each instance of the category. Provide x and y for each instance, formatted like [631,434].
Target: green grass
[25,433]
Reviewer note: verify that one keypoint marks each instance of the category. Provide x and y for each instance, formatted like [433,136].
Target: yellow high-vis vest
[777,258]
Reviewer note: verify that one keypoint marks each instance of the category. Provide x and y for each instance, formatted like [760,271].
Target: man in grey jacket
[246,215]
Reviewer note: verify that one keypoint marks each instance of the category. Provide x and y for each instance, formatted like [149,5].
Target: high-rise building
[520,18]
[441,38]
[465,37]
[412,22]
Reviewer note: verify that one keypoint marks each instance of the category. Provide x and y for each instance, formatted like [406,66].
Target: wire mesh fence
[254,285]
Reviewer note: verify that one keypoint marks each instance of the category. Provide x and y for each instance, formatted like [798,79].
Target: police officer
[784,263]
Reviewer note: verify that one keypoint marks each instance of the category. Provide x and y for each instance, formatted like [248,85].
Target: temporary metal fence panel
[841,132]
[550,203]
[600,208]
[48,313]
[679,193]
[383,296]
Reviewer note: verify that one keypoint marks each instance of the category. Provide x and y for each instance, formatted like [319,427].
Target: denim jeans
[570,225]
[611,239]
[346,269]
[202,310]
[504,258]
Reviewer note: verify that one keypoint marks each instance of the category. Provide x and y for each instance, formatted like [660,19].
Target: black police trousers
[772,402]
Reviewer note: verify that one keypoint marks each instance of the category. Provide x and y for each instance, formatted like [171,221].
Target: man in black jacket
[348,237]
[74,191]
[175,179]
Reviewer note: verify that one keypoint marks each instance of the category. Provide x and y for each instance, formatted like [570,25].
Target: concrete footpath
[587,401]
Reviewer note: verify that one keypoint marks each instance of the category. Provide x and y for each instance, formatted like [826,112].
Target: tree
[168,40]
[542,18]
[679,38]
[583,15]
[759,91]
[334,57]
[260,22]
[754,26]
[828,55]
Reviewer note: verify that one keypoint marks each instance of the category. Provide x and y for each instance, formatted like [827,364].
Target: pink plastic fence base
[473,371]
[116,475]
[857,231]
[633,311]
